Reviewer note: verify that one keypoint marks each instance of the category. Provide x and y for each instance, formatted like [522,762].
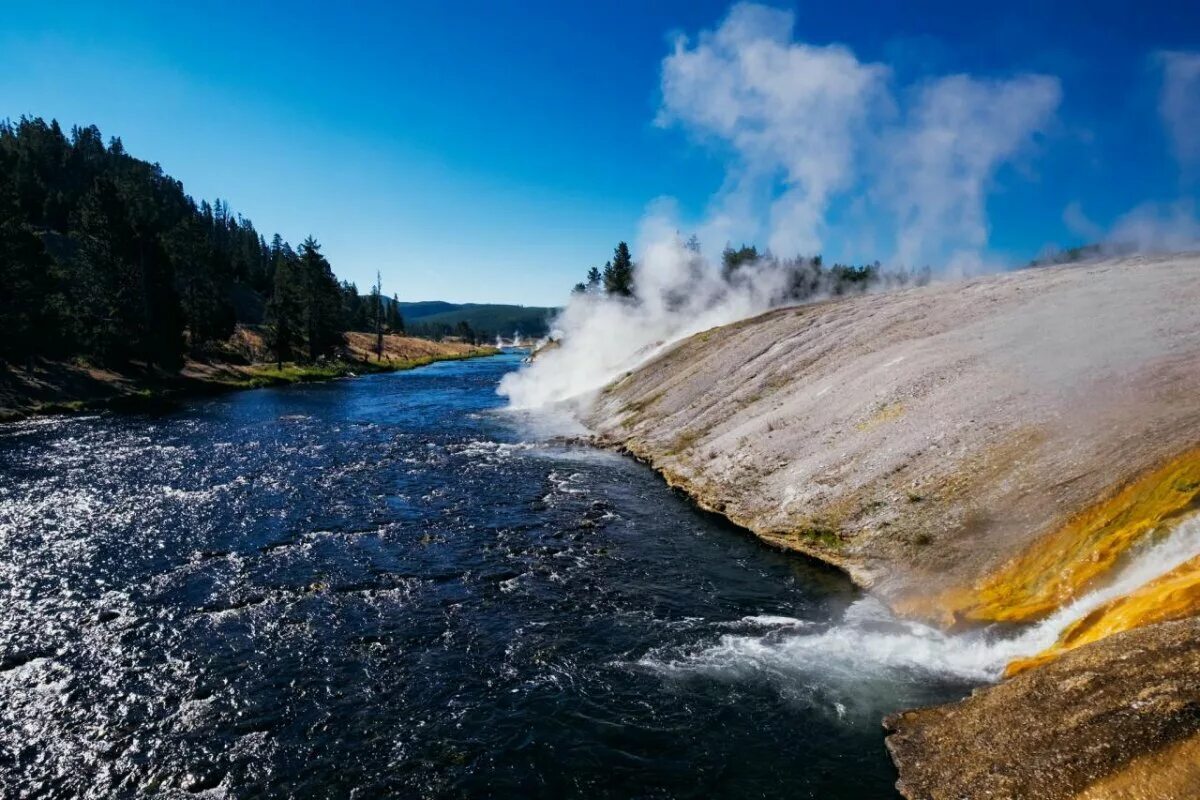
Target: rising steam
[825,152]
[678,292]
[823,127]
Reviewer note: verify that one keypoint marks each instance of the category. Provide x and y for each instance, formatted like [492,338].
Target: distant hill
[436,317]
[425,308]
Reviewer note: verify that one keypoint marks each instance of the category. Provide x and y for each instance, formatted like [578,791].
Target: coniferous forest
[105,258]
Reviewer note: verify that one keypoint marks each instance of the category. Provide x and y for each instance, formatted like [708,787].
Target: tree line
[804,278]
[461,330]
[104,257]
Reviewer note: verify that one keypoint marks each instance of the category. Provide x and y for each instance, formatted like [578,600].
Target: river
[390,586]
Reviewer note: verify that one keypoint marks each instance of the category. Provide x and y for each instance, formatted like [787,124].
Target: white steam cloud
[678,293]
[939,165]
[1160,226]
[792,112]
[823,126]
[1164,227]
[812,130]
[1179,104]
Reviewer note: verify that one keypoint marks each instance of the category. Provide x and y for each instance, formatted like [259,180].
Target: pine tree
[464,331]
[733,260]
[354,312]
[377,301]
[395,319]
[321,301]
[26,309]
[618,273]
[199,293]
[106,323]
[285,312]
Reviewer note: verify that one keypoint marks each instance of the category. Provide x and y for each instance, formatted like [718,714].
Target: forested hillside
[483,321]
[105,257]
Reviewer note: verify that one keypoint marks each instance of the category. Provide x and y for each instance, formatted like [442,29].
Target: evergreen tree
[395,319]
[321,299]
[733,260]
[618,273]
[464,331]
[285,310]
[378,313]
[26,310]
[206,314]
[107,320]
[354,308]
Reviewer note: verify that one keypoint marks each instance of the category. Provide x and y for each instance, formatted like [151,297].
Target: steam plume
[1154,226]
[809,127]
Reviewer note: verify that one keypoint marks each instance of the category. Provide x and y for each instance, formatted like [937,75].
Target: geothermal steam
[823,151]
[678,292]
[809,131]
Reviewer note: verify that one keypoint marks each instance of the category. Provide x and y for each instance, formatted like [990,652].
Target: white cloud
[1179,104]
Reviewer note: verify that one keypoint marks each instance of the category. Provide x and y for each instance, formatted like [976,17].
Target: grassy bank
[260,375]
[47,387]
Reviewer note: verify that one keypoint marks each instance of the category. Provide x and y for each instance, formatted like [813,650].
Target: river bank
[55,387]
[1010,457]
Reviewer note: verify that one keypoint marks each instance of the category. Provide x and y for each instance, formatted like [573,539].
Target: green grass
[274,375]
[64,407]
[133,400]
[820,534]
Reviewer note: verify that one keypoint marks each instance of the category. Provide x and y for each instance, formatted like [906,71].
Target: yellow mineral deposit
[1060,566]
[1174,595]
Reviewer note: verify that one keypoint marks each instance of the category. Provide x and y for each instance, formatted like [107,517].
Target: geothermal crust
[1068,730]
[978,451]
[922,438]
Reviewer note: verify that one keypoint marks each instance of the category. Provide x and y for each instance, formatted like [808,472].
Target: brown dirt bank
[50,387]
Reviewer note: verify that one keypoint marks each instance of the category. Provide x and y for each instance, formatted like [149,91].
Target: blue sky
[493,151]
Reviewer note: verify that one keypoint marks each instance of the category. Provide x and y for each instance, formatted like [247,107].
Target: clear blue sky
[490,151]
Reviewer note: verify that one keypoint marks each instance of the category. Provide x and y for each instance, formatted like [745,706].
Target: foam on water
[869,644]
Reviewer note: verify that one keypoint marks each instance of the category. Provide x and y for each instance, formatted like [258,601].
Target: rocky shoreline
[988,451]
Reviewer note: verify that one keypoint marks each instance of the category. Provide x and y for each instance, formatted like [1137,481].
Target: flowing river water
[392,587]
